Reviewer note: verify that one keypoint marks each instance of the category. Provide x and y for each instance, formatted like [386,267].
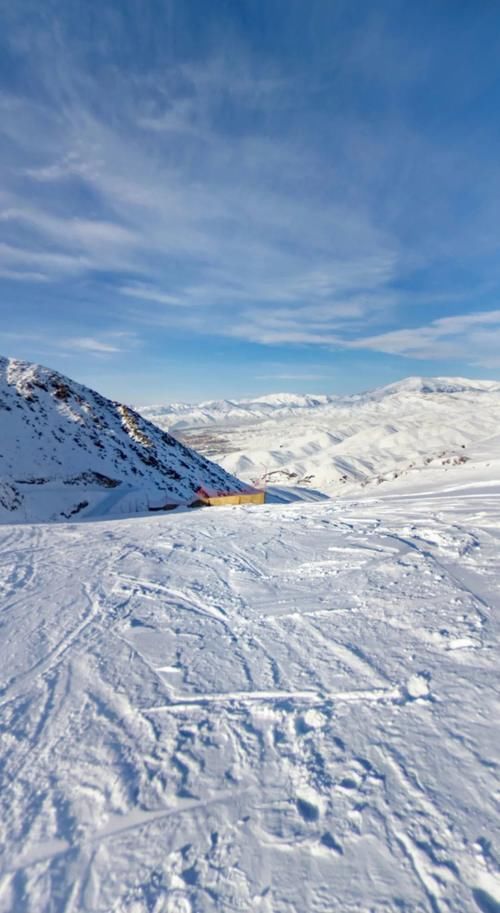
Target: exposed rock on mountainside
[66,450]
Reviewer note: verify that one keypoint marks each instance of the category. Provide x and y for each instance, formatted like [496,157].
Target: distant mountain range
[342,444]
[67,451]
[274,405]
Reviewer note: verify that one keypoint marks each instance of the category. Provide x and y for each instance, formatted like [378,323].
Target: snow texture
[284,709]
[290,708]
[66,450]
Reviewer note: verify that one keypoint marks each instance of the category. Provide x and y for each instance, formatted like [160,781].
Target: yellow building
[223,499]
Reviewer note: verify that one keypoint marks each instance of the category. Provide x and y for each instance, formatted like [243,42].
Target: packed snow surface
[67,450]
[402,432]
[281,709]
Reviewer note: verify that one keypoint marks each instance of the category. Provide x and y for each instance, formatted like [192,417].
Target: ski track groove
[344,654]
[445,568]
[47,665]
[308,696]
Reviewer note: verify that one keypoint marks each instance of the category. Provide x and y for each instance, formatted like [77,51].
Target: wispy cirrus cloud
[89,344]
[193,212]
[27,262]
[68,167]
[106,345]
[71,230]
[62,245]
[474,337]
[277,200]
[146,293]
[109,342]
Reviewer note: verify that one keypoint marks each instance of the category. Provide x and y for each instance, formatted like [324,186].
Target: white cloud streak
[89,344]
[144,293]
[194,217]
[474,337]
[252,232]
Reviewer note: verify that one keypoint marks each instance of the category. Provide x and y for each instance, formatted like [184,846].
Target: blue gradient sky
[224,198]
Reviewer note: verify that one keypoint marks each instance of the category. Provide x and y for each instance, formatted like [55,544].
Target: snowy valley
[404,433]
[290,708]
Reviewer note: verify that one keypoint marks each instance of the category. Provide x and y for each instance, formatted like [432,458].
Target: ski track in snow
[281,709]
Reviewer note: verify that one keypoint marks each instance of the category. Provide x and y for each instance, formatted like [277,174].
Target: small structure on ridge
[210,497]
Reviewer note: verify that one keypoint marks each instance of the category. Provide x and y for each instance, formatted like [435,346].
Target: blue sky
[226,198]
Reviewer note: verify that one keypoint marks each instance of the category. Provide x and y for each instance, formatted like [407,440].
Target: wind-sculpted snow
[65,450]
[279,709]
[407,431]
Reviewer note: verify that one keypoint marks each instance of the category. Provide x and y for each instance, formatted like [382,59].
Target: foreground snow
[288,709]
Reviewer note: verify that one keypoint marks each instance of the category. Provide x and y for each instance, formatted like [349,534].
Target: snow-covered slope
[67,450]
[342,444]
[276,709]
[277,405]
[187,415]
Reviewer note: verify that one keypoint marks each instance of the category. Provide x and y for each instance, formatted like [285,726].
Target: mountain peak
[430,385]
[64,446]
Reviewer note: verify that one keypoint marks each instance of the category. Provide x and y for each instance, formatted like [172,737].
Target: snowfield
[282,709]
[343,445]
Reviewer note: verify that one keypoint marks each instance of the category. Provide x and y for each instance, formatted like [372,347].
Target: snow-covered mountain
[276,405]
[189,415]
[341,444]
[67,450]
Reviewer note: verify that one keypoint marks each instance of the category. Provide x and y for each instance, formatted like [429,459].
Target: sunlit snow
[286,708]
